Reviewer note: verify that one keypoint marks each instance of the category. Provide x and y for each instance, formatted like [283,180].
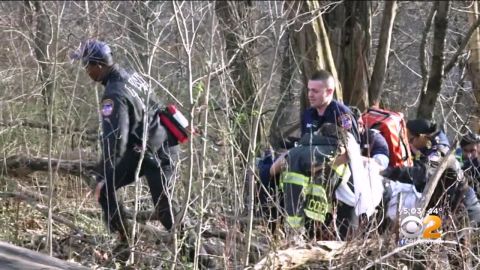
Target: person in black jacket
[129,112]
[126,101]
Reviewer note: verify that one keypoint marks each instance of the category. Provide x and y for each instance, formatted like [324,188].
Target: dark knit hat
[470,138]
[95,51]
[422,126]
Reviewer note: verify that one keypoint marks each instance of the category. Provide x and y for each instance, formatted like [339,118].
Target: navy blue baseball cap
[95,51]
[422,126]
[470,138]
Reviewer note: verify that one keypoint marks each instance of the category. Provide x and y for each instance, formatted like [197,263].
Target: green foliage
[198,90]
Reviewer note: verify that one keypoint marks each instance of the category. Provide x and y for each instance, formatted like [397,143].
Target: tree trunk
[474,66]
[138,33]
[13,257]
[233,19]
[279,128]
[349,27]
[41,38]
[434,84]
[381,59]
[311,45]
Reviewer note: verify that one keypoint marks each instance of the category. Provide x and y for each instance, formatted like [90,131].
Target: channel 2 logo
[413,227]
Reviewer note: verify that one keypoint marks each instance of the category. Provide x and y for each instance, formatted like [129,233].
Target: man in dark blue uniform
[126,103]
[324,109]
[126,100]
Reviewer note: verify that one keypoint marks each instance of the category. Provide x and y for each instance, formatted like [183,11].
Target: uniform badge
[345,121]
[107,107]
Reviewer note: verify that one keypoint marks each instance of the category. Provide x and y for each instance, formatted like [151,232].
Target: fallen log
[25,165]
[318,252]
[297,256]
[13,257]
[88,134]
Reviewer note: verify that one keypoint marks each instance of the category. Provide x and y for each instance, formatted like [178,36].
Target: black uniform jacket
[126,103]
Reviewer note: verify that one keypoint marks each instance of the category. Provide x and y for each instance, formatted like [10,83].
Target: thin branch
[423,47]
[462,47]
[432,183]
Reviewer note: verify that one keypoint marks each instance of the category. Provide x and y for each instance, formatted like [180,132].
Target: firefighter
[312,171]
[324,109]
[128,100]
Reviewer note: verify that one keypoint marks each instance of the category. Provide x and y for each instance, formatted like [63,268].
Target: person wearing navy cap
[429,146]
[324,109]
[432,139]
[126,102]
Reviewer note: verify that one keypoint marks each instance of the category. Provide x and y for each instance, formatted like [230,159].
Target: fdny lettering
[138,88]
[345,121]
[107,107]
[139,83]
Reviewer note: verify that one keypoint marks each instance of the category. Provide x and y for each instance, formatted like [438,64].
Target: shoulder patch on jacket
[107,107]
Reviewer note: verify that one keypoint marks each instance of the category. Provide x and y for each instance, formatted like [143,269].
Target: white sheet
[366,180]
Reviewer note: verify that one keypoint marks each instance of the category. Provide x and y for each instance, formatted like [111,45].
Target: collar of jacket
[114,72]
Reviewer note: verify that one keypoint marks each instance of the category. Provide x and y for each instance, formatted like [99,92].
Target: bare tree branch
[383,51]
[429,98]
[13,257]
[423,47]
[462,47]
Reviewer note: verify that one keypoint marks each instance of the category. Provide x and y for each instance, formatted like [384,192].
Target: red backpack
[175,122]
[393,128]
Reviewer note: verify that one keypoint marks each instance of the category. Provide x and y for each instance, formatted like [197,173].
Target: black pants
[158,172]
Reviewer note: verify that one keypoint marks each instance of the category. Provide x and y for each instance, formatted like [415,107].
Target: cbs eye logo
[412,227]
